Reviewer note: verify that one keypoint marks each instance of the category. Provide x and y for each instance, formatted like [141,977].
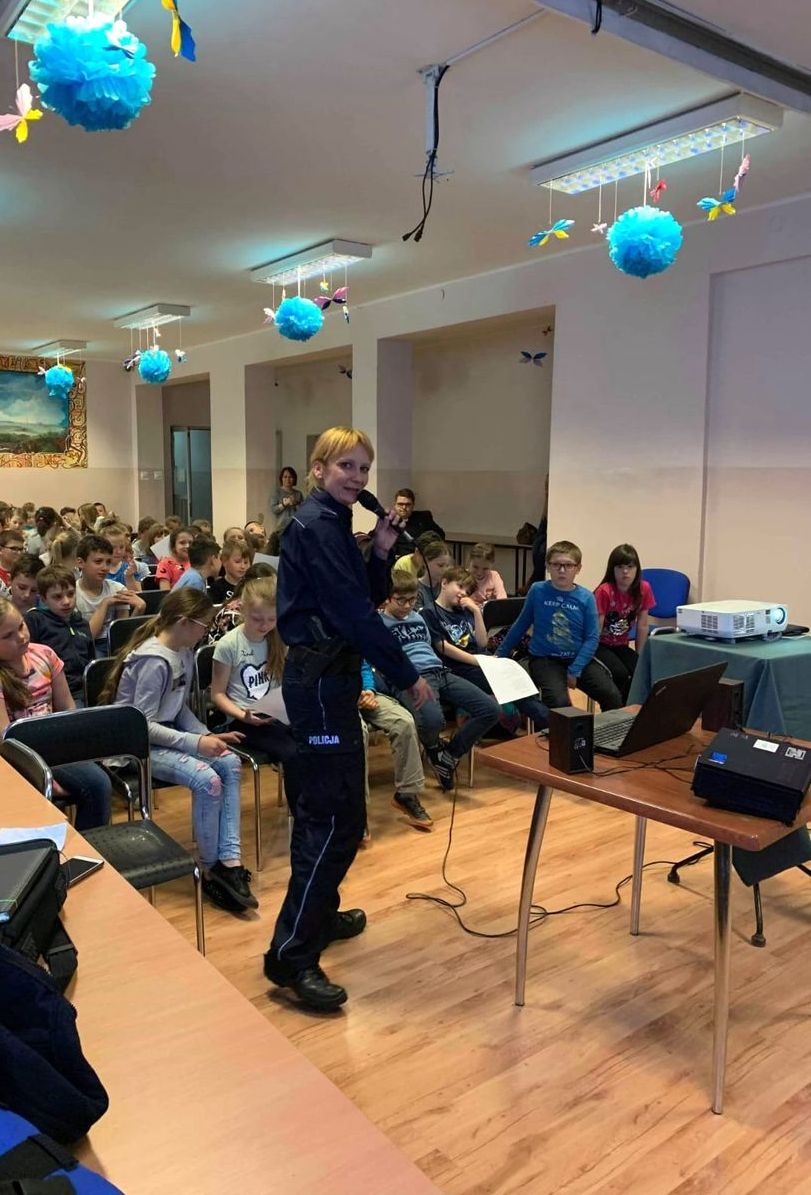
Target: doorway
[191,473]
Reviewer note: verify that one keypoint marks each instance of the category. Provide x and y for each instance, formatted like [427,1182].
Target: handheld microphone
[371,503]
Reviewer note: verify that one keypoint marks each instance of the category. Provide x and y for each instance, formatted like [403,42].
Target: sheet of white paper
[507,679]
[161,548]
[57,834]
[272,703]
[262,558]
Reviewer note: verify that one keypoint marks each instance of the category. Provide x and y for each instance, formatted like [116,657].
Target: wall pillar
[229,449]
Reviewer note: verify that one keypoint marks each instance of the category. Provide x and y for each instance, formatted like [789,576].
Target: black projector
[750,774]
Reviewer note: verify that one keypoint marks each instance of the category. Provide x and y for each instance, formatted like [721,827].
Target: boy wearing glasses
[565,633]
[11,549]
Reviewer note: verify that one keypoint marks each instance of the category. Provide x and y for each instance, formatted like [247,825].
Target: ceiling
[303,120]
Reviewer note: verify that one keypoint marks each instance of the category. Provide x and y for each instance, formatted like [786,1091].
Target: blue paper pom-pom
[58,381]
[644,241]
[155,366]
[298,319]
[93,72]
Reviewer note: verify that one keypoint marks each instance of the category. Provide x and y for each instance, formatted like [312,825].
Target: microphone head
[370,502]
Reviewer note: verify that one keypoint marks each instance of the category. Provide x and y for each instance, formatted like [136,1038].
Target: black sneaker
[236,881]
[346,924]
[444,765]
[412,807]
[218,894]
[310,985]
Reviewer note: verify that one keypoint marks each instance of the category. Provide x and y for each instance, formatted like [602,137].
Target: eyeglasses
[563,564]
[404,601]
[14,547]
[205,625]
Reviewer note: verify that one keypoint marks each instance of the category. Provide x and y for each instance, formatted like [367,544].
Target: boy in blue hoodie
[60,626]
[565,633]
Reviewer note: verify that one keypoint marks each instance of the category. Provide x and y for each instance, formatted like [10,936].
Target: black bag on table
[44,1075]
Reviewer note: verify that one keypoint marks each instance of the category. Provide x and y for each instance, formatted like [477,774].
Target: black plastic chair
[501,612]
[142,852]
[30,766]
[123,629]
[150,584]
[203,668]
[152,599]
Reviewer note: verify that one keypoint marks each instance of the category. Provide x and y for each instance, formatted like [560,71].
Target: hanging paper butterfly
[658,191]
[114,38]
[558,230]
[532,358]
[180,356]
[19,120]
[599,228]
[182,42]
[270,315]
[129,363]
[323,286]
[346,372]
[339,298]
[548,330]
[714,207]
[743,170]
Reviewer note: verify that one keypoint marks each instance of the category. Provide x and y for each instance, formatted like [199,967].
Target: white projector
[732,620]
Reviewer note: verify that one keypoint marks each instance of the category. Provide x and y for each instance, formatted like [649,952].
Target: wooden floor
[601,1083]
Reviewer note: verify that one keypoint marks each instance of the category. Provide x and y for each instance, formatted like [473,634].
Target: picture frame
[38,431]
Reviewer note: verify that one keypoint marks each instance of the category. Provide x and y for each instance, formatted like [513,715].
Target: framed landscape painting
[38,431]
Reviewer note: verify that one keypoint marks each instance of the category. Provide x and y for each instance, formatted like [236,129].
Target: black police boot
[346,924]
[310,985]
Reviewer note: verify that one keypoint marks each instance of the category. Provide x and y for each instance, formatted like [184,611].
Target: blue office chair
[670,588]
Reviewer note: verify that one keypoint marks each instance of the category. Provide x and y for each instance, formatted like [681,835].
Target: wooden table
[205,1094]
[648,793]
[457,541]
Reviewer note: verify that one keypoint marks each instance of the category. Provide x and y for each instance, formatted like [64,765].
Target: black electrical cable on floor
[428,177]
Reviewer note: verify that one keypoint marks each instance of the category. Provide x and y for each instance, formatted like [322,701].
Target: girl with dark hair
[172,567]
[154,672]
[623,599]
[286,498]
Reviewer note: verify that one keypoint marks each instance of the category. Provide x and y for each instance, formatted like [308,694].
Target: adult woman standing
[328,619]
[286,498]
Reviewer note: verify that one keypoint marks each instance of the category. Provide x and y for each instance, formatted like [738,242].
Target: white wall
[110,473]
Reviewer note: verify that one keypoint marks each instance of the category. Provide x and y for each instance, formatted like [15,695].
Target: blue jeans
[89,789]
[215,799]
[482,708]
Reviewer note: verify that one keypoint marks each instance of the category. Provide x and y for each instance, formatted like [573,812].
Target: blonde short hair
[334,442]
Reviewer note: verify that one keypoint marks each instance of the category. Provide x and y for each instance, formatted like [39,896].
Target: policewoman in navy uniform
[326,601]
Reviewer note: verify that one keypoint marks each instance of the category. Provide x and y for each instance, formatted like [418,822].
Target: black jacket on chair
[72,641]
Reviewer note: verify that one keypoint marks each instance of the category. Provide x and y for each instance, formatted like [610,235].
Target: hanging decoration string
[616,188]
[598,17]
[600,204]
[721,179]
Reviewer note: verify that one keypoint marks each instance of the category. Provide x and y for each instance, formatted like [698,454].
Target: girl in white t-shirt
[248,664]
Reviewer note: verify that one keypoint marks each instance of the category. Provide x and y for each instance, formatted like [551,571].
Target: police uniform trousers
[331,813]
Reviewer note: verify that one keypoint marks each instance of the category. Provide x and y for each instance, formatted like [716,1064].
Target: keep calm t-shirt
[249,680]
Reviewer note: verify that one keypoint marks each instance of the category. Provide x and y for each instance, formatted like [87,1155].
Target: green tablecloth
[776,676]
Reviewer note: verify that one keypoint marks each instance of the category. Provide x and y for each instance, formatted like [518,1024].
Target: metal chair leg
[257,812]
[198,911]
[471,766]
[150,894]
[758,938]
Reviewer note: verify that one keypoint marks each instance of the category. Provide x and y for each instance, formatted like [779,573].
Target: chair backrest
[123,629]
[670,589]
[95,678]
[152,599]
[501,612]
[31,767]
[203,669]
[150,584]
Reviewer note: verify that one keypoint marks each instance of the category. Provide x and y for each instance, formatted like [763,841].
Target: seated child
[623,599]
[142,544]
[460,637]
[256,537]
[231,614]
[125,568]
[563,617]
[59,625]
[382,712]
[411,632]
[204,562]
[489,585]
[248,664]
[12,544]
[63,550]
[236,560]
[22,590]
[172,566]
[155,673]
[432,560]
[33,683]
[97,598]
[202,528]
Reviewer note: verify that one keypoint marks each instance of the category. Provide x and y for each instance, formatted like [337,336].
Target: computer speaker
[571,740]
[725,707]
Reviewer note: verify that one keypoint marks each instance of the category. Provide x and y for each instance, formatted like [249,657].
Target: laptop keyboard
[612,734]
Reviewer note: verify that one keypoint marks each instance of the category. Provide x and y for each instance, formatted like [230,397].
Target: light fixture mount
[152,317]
[25,20]
[739,117]
[314,262]
[60,348]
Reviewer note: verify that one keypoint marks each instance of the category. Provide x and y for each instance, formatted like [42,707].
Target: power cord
[539,913]
[429,174]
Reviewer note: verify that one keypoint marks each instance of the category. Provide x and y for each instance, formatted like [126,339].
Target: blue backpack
[33,1164]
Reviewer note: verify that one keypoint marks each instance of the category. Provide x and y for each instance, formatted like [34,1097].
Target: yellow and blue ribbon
[182,41]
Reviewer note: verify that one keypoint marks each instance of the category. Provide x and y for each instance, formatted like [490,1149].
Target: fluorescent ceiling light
[152,317]
[727,122]
[60,348]
[25,20]
[318,261]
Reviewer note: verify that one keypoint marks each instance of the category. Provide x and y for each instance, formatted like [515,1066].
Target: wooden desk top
[648,791]
[204,1093]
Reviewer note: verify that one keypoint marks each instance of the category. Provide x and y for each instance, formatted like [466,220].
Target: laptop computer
[670,709]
